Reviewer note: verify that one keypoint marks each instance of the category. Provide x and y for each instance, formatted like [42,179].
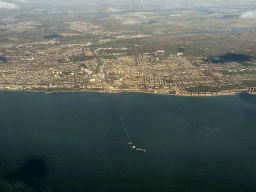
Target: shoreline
[115,92]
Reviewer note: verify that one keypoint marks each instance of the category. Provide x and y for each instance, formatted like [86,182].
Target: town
[51,66]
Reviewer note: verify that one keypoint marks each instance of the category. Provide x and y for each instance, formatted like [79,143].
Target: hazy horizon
[15,4]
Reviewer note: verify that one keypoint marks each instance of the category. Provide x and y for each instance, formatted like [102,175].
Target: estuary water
[192,143]
[232,30]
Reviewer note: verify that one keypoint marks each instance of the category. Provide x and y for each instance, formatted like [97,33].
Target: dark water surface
[192,143]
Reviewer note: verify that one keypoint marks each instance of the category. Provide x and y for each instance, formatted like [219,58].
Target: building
[160,53]
[89,53]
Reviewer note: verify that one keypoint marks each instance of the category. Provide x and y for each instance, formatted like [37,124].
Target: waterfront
[189,141]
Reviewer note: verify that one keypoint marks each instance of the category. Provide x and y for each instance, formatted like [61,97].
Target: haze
[14,4]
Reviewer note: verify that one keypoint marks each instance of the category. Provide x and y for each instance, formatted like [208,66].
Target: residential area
[59,68]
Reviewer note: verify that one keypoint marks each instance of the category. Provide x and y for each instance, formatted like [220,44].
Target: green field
[225,72]
[201,88]
[249,83]
[118,44]
[196,49]
[62,60]
[109,57]
[230,86]
[250,72]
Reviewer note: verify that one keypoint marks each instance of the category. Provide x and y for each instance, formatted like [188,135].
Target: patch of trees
[52,36]
[84,66]
[169,81]
[81,57]
[3,58]
[62,60]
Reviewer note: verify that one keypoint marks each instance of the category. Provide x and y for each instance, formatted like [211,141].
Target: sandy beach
[133,91]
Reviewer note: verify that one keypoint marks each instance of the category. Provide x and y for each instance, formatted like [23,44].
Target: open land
[195,52]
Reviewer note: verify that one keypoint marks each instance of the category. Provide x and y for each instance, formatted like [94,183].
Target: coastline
[137,91]
[184,95]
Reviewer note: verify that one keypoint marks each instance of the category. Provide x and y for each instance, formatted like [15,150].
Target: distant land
[178,51]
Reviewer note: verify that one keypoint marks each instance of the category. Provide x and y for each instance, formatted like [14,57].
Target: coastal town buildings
[53,68]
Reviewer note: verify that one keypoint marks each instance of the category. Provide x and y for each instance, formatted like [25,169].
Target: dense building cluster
[54,68]
[21,26]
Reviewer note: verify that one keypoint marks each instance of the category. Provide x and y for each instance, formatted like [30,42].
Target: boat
[137,149]
[130,143]
[140,149]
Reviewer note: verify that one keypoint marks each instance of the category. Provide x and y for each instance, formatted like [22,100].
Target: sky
[16,4]
[113,5]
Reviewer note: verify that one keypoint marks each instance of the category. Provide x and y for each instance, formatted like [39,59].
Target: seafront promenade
[193,94]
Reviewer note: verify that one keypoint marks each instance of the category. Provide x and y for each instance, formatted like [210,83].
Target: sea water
[191,142]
